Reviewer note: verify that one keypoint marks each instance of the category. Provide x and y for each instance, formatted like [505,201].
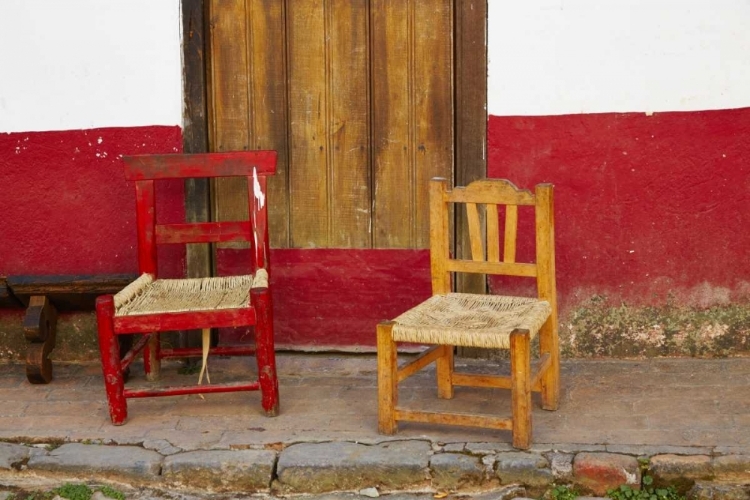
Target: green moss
[601,328]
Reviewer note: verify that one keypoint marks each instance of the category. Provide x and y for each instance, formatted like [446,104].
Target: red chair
[150,305]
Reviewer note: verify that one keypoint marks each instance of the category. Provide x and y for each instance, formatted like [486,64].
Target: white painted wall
[79,64]
[549,57]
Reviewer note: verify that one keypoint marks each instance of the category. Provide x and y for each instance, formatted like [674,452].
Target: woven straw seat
[448,319]
[470,320]
[149,296]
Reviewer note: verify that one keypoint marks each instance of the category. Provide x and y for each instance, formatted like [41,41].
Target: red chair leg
[110,353]
[264,351]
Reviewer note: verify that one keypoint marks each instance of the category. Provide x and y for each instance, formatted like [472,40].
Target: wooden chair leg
[444,371]
[151,359]
[387,380]
[110,353]
[265,354]
[520,374]
[549,343]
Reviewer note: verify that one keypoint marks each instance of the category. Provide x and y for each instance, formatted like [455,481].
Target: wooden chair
[450,319]
[150,305]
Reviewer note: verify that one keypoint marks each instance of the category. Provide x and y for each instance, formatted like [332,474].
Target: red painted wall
[66,207]
[336,297]
[646,206]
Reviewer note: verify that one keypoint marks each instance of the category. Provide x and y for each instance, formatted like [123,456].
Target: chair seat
[470,320]
[147,295]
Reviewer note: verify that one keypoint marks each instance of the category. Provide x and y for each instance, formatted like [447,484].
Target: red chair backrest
[146,169]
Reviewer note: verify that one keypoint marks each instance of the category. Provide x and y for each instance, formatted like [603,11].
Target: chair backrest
[146,169]
[486,259]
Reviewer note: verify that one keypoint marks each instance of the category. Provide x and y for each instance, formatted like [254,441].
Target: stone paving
[690,417]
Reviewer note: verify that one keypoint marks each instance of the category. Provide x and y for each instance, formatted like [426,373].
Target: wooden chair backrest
[491,193]
[146,169]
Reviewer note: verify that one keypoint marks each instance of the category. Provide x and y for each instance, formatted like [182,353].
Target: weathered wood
[493,234]
[26,285]
[203,232]
[424,359]
[475,232]
[7,299]
[520,368]
[40,319]
[497,381]
[40,327]
[248,102]
[199,258]
[510,269]
[511,231]
[348,88]
[439,227]
[492,191]
[229,103]
[387,379]
[177,166]
[38,364]
[268,114]
[453,419]
[444,373]
[67,292]
[195,128]
[548,335]
[328,106]
[412,114]
[471,129]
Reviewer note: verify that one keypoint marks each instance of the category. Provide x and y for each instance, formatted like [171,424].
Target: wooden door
[358,98]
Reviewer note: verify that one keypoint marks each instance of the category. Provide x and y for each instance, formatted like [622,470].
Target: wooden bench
[43,296]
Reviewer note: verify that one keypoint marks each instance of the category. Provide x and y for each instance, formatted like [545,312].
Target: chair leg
[444,370]
[387,379]
[265,354]
[520,374]
[110,353]
[151,359]
[549,343]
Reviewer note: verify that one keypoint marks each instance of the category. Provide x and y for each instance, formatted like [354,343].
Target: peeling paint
[257,191]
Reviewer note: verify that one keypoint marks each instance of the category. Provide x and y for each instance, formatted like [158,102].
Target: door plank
[308,107]
[268,105]
[348,124]
[229,100]
[392,149]
[412,95]
[433,104]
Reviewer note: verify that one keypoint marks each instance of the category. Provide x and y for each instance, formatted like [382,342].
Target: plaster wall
[639,113]
[84,82]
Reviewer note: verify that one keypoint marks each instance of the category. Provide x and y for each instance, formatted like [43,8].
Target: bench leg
[40,330]
[110,353]
[265,354]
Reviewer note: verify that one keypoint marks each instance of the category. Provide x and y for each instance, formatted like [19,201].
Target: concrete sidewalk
[663,407]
